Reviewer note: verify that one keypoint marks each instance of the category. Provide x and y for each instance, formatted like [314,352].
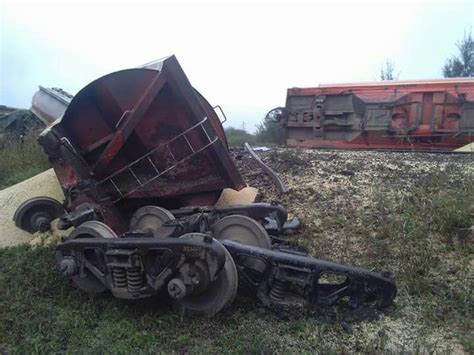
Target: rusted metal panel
[419,115]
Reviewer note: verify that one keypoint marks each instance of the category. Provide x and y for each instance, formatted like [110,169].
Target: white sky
[242,56]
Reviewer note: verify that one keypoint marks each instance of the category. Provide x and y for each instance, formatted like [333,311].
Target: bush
[270,132]
[21,158]
[236,136]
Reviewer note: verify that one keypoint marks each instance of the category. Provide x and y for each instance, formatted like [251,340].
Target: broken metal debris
[282,188]
[15,124]
[5,110]
[141,170]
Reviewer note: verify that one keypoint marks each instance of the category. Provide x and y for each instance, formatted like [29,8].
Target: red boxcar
[412,115]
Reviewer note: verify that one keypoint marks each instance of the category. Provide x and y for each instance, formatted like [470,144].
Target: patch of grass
[417,237]
[288,160]
[21,159]
[410,227]
[41,312]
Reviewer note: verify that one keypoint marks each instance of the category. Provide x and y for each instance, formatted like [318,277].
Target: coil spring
[135,279]
[120,277]
[278,290]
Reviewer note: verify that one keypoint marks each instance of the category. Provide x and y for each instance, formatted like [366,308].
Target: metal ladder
[141,183]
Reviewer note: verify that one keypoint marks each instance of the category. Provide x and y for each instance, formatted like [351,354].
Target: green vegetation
[462,64]
[21,158]
[387,72]
[414,225]
[270,132]
[414,234]
[41,312]
[238,136]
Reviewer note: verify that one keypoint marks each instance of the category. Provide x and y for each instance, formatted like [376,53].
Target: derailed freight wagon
[142,158]
[433,115]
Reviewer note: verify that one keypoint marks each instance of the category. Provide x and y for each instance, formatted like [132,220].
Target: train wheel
[36,214]
[150,219]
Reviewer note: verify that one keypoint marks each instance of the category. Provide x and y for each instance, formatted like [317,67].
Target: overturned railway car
[142,158]
[436,115]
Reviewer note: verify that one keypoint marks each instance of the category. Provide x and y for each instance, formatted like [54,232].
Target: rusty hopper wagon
[142,157]
[435,115]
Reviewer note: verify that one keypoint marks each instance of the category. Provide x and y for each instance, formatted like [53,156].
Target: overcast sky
[242,56]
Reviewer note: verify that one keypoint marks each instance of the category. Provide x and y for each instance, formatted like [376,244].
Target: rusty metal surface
[418,115]
[138,136]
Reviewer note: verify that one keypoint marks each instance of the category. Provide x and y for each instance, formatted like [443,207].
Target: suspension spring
[120,277]
[134,279]
[277,292]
